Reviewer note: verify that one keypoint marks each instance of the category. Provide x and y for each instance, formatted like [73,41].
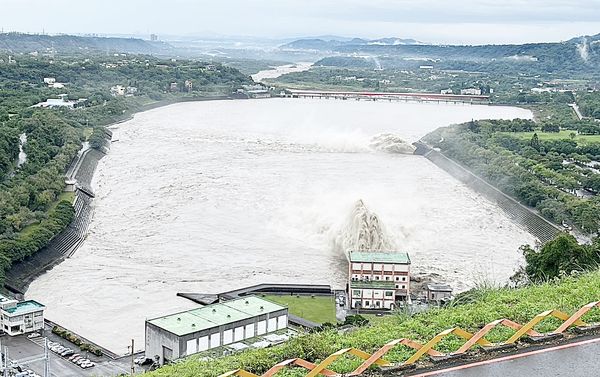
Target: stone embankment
[68,241]
[538,226]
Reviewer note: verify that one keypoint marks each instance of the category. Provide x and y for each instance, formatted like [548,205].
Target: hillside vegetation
[31,209]
[484,305]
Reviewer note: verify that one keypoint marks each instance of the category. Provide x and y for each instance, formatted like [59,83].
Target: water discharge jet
[363,231]
[390,143]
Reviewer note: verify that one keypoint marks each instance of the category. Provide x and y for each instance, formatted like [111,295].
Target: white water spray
[390,143]
[363,231]
[584,50]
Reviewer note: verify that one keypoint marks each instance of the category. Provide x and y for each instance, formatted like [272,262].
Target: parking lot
[20,348]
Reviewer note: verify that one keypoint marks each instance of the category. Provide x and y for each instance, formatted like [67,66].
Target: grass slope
[520,305]
[319,309]
[562,135]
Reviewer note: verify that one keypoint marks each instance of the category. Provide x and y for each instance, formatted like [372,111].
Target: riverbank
[66,243]
[535,224]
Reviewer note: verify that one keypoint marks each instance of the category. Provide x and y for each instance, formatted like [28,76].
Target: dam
[213,196]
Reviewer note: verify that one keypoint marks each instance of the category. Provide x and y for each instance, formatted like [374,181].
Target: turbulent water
[363,231]
[281,70]
[211,196]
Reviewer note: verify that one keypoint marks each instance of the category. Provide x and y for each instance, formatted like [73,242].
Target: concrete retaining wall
[538,226]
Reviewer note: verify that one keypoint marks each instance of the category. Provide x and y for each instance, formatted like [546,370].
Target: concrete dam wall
[538,226]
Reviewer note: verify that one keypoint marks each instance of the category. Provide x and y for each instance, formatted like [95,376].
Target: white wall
[215,340]
[191,347]
[227,337]
[249,331]
[262,328]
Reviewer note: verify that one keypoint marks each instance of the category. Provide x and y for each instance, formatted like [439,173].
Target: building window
[367,303]
[356,293]
[389,294]
[403,286]
[387,278]
[397,286]
[376,277]
[397,278]
[403,278]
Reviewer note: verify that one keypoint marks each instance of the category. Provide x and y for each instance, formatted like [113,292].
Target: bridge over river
[389,96]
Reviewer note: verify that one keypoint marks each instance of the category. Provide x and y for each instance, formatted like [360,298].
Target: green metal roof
[373,284]
[254,305]
[379,257]
[215,315]
[25,307]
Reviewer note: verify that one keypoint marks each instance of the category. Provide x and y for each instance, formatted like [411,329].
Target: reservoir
[210,196]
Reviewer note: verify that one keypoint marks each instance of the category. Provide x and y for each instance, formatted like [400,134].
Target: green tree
[559,256]
[535,142]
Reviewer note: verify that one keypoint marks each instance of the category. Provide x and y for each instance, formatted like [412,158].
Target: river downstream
[211,196]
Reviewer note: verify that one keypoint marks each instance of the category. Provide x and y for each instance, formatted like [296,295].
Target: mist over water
[363,231]
[211,196]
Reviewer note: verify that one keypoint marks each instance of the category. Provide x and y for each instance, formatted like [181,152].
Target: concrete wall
[541,228]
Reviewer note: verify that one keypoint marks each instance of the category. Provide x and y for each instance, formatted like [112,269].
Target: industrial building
[21,317]
[377,280]
[438,292]
[182,334]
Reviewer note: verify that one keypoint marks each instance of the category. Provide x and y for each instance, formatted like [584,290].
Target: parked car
[87,364]
[73,356]
[81,361]
[67,353]
[76,359]
[33,335]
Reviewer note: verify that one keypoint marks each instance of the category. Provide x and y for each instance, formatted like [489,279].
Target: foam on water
[211,196]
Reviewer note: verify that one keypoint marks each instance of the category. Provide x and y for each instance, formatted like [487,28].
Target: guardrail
[472,340]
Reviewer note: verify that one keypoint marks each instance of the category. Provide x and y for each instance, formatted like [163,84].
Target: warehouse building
[182,334]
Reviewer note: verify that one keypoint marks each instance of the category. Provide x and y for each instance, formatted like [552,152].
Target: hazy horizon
[429,21]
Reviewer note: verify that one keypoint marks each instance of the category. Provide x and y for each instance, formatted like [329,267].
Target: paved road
[19,347]
[579,359]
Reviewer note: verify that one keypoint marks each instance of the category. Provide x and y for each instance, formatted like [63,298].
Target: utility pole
[46,359]
[132,364]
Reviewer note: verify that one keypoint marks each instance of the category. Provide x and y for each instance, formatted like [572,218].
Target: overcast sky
[438,21]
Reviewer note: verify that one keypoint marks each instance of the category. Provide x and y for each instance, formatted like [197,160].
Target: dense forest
[575,57]
[556,175]
[32,208]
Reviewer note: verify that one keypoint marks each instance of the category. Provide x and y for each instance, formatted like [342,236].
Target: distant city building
[438,292]
[49,80]
[61,102]
[471,92]
[21,317]
[429,67]
[153,37]
[224,324]
[377,280]
[174,87]
[188,85]
[259,93]
[117,90]
[446,91]
[544,90]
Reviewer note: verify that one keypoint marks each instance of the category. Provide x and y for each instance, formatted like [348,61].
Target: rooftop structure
[20,317]
[379,257]
[181,334]
[438,292]
[215,315]
[60,102]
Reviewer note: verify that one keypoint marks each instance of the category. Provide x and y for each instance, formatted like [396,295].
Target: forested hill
[578,55]
[26,43]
